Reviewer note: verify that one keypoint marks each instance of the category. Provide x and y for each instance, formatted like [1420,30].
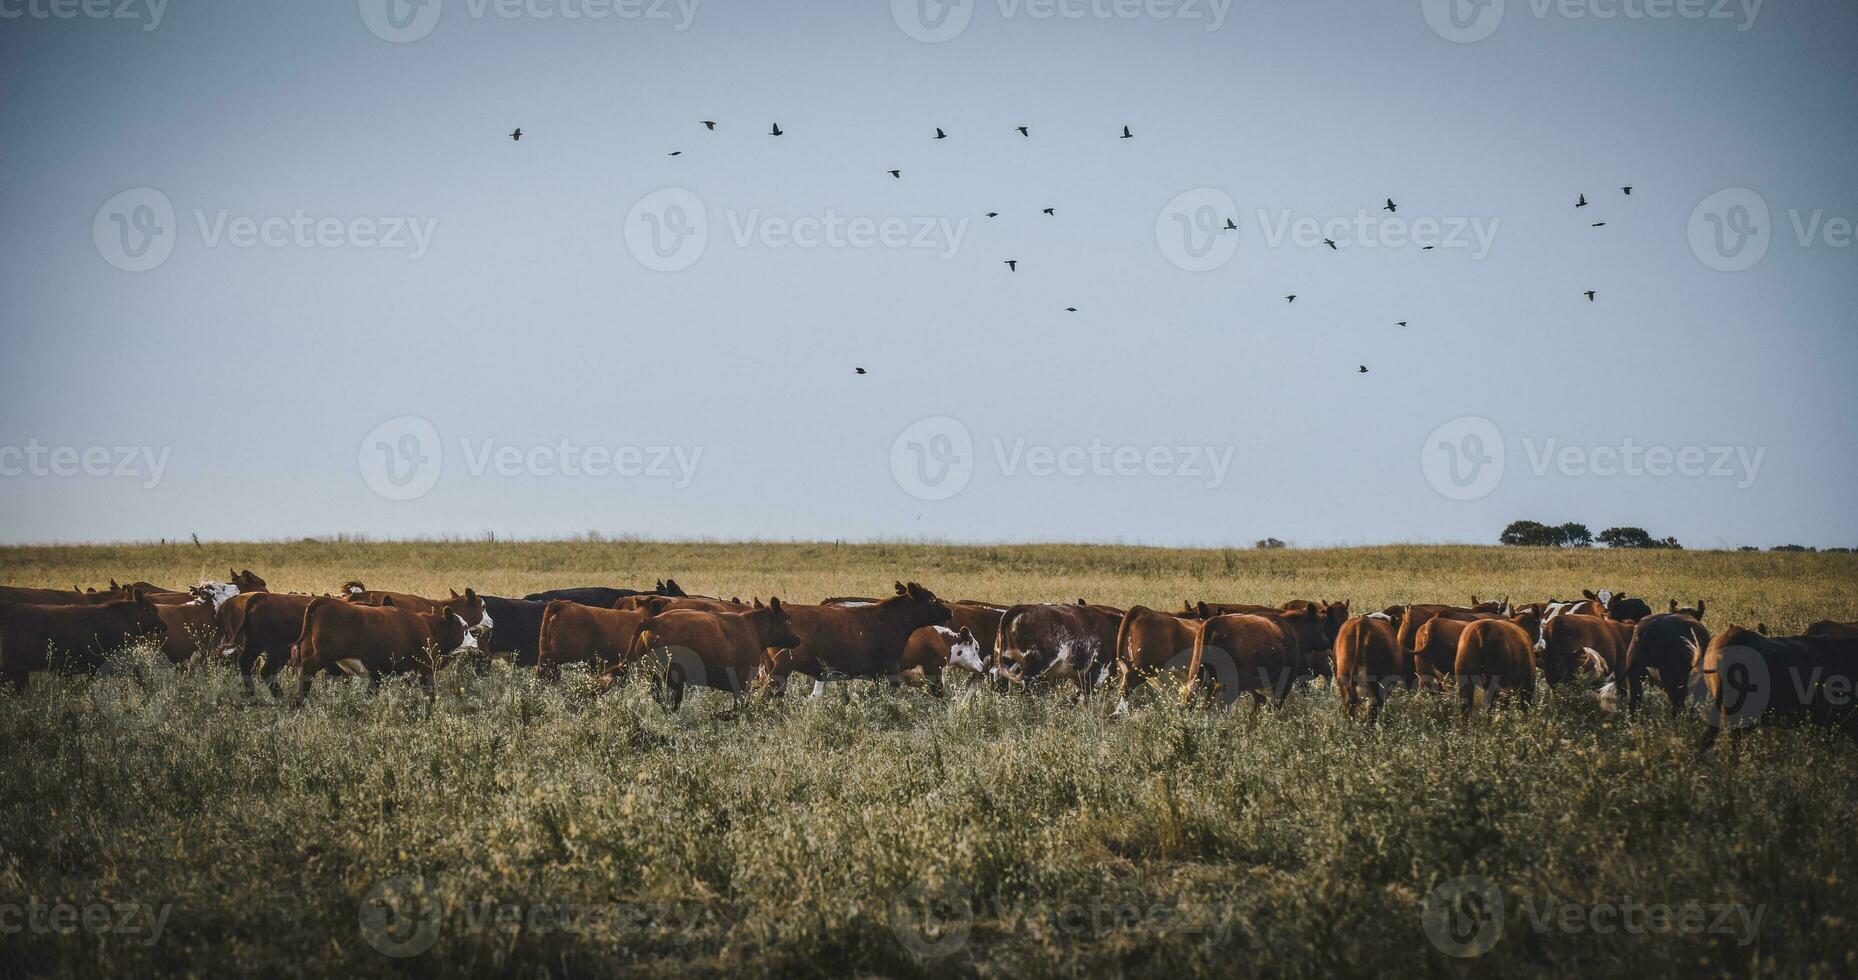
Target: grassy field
[158,820]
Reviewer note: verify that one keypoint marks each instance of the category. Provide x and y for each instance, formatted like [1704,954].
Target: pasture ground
[519,828]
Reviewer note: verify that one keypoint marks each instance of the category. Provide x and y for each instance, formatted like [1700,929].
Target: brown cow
[254,625]
[1619,606]
[664,604]
[1052,641]
[933,649]
[1435,650]
[1750,680]
[353,638]
[469,607]
[1149,641]
[1312,624]
[1493,654]
[1664,647]
[1368,661]
[70,637]
[191,629]
[856,641]
[725,651]
[572,633]
[58,597]
[1831,628]
[1572,643]
[1244,653]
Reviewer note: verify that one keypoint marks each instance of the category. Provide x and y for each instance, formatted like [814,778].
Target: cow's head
[214,593]
[451,635]
[1694,612]
[470,608]
[774,629]
[918,606]
[246,581]
[964,650]
[1334,615]
[353,587]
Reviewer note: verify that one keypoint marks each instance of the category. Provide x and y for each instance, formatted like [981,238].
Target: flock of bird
[1012,265]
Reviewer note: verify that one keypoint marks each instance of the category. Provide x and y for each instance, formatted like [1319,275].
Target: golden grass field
[518,827]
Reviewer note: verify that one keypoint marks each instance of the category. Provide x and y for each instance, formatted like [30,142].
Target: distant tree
[1528,534]
[1748,547]
[1627,537]
[1573,535]
[1837,551]
[1792,547]
[1270,544]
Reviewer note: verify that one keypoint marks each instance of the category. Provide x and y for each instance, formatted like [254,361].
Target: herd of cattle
[1216,648]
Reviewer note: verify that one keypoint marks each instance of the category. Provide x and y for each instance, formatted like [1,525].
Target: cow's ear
[1202,610]
[1674,605]
[965,635]
[900,589]
[1761,628]
[1699,608]
[387,601]
[1589,594]
[470,594]
[774,604]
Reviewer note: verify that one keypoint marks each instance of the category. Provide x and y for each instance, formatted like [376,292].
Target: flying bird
[859,370]
[939,134]
[518,134]
[1012,265]
[1127,134]
[1590,295]
[1599,224]
[1582,202]
[1331,243]
[1070,309]
[1427,248]
[1022,131]
[1292,298]
[1051,211]
[1401,323]
[775,130]
[1391,206]
[1628,190]
[676,153]
[897,174]
[1230,226]
[709,124]
[1362,370]
[993,214]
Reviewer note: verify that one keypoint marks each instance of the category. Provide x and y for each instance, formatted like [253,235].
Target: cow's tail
[1122,631]
[304,650]
[1003,642]
[1193,663]
[641,641]
[545,637]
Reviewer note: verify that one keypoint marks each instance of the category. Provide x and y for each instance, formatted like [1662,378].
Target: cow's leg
[1467,696]
[1635,689]
[247,659]
[1677,689]
[304,675]
[1126,684]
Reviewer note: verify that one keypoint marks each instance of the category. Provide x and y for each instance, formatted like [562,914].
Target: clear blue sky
[526,321]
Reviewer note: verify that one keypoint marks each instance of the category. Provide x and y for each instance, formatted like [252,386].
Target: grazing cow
[1750,679]
[254,625]
[1149,641]
[1051,641]
[1312,624]
[602,597]
[674,603]
[1489,605]
[720,650]
[191,628]
[71,637]
[1571,642]
[572,633]
[469,606]
[1694,612]
[933,649]
[1260,652]
[1493,654]
[517,625]
[353,638]
[246,581]
[1829,628]
[1663,647]
[1618,606]
[1368,661]
[857,641]
[58,597]
[1413,617]
[1435,650]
